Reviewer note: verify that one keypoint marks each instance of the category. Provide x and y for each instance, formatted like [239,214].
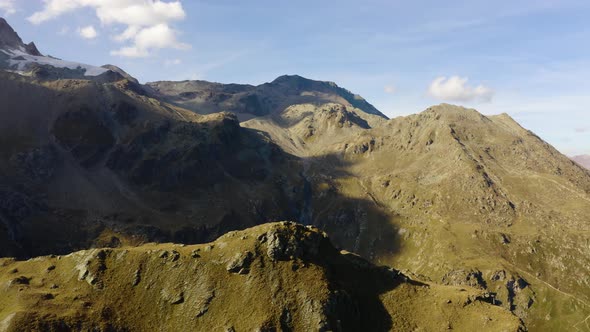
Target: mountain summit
[9,39]
[26,59]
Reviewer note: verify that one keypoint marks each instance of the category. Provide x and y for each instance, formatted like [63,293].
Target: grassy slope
[304,286]
[450,189]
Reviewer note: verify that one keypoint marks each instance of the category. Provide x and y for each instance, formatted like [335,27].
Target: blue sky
[530,59]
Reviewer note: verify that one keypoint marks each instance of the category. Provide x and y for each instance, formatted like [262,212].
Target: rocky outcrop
[292,243]
[471,278]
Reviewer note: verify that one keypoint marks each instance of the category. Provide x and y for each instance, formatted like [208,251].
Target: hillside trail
[585,303]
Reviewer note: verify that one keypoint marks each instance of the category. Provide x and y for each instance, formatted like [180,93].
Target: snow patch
[22,60]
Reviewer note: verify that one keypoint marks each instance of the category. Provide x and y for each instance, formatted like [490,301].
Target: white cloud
[146,22]
[156,37]
[390,89]
[88,32]
[8,7]
[455,88]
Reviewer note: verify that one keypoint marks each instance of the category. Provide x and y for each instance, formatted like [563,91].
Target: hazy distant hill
[583,160]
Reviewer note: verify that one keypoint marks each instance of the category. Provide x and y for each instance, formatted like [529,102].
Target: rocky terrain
[472,206]
[275,277]
[583,160]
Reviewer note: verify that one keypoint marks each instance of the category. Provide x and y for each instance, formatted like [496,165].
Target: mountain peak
[121,72]
[300,81]
[299,85]
[8,37]
[26,59]
[31,48]
[453,113]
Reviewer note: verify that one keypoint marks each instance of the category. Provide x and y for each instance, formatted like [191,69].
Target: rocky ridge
[228,285]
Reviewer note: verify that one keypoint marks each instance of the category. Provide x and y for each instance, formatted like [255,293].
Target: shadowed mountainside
[99,158]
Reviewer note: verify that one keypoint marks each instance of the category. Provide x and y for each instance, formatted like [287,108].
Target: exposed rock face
[297,282]
[240,263]
[290,243]
[464,278]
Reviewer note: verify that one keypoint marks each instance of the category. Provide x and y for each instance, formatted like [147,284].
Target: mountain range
[485,224]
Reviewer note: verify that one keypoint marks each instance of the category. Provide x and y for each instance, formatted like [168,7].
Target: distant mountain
[26,59]
[583,160]
[249,101]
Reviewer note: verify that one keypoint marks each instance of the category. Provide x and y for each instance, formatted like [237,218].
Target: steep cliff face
[229,285]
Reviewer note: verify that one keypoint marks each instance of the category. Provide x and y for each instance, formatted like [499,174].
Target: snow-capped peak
[21,58]
[21,61]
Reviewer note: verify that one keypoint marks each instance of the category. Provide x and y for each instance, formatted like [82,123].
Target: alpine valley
[294,205]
